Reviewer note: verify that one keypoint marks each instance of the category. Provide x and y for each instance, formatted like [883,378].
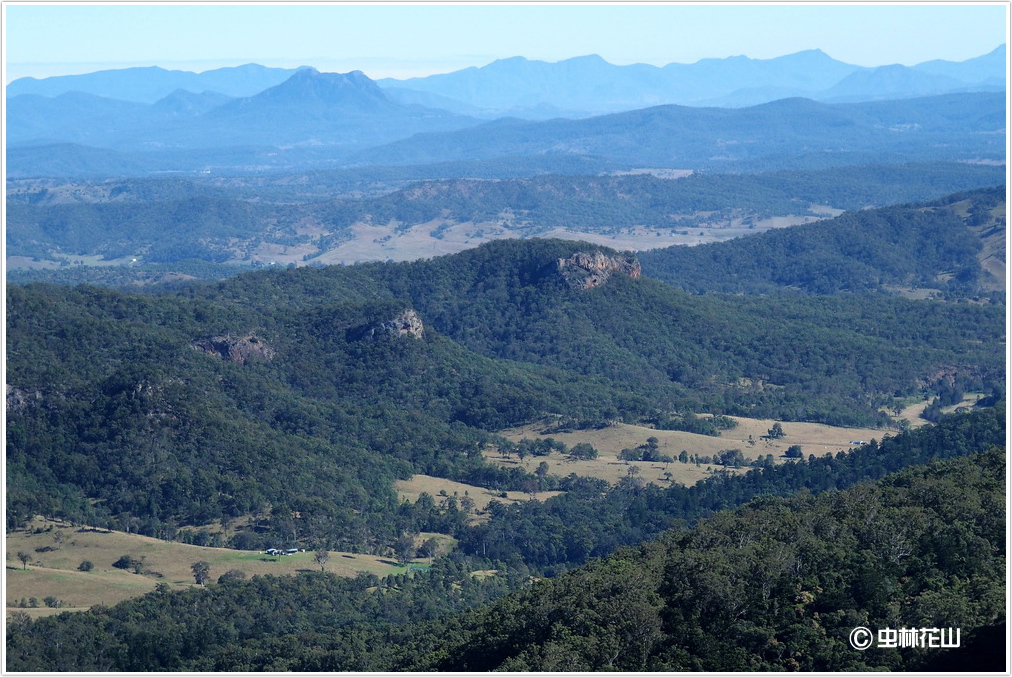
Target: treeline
[234,624]
[609,203]
[700,425]
[591,520]
[200,227]
[776,586]
[163,276]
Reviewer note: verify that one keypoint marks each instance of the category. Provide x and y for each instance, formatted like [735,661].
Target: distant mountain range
[788,133]
[147,85]
[578,87]
[589,85]
[308,108]
[310,119]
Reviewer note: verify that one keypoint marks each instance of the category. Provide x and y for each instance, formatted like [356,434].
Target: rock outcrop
[585,270]
[406,323]
[18,400]
[242,349]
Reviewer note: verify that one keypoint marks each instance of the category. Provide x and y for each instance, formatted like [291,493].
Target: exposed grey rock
[241,349]
[585,270]
[18,400]
[406,323]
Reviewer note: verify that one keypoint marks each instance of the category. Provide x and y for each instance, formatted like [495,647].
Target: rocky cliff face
[406,323]
[585,270]
[240,349]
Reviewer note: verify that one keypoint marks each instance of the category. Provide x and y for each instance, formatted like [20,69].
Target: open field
[382,242]
[373,242]
[413,488]
[392,241]
[55,573]
[912,412]
[814,438]
[59,260]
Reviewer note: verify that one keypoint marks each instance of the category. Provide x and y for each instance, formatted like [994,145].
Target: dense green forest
[177,409]
[130,400]
[775,585]
[849,355]
[151,412]
[935,245]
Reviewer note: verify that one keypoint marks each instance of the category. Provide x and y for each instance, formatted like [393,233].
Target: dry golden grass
[411,489]
[55,573]
[379,242]
[912,412]
[814,438]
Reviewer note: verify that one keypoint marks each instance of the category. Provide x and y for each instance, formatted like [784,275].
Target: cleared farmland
[53,568]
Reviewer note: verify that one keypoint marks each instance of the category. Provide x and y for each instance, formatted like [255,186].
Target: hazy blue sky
[406,40]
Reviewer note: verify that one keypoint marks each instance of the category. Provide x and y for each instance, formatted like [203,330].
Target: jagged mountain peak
[309,81]
[310,89]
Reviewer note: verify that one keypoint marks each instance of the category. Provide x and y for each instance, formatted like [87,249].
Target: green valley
[531,367]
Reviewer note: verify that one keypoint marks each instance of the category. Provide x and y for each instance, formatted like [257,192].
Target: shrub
[232,575]
[125,562]
[583,451]
[86,565]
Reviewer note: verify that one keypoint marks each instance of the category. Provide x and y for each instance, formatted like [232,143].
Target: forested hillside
[178,412]
[178,409]
[776,585]
[786,357]
[955,245]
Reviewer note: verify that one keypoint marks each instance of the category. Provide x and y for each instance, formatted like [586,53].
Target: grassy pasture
[411,489]
[911,413]
[814,438]
[54,573]
[379,242]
